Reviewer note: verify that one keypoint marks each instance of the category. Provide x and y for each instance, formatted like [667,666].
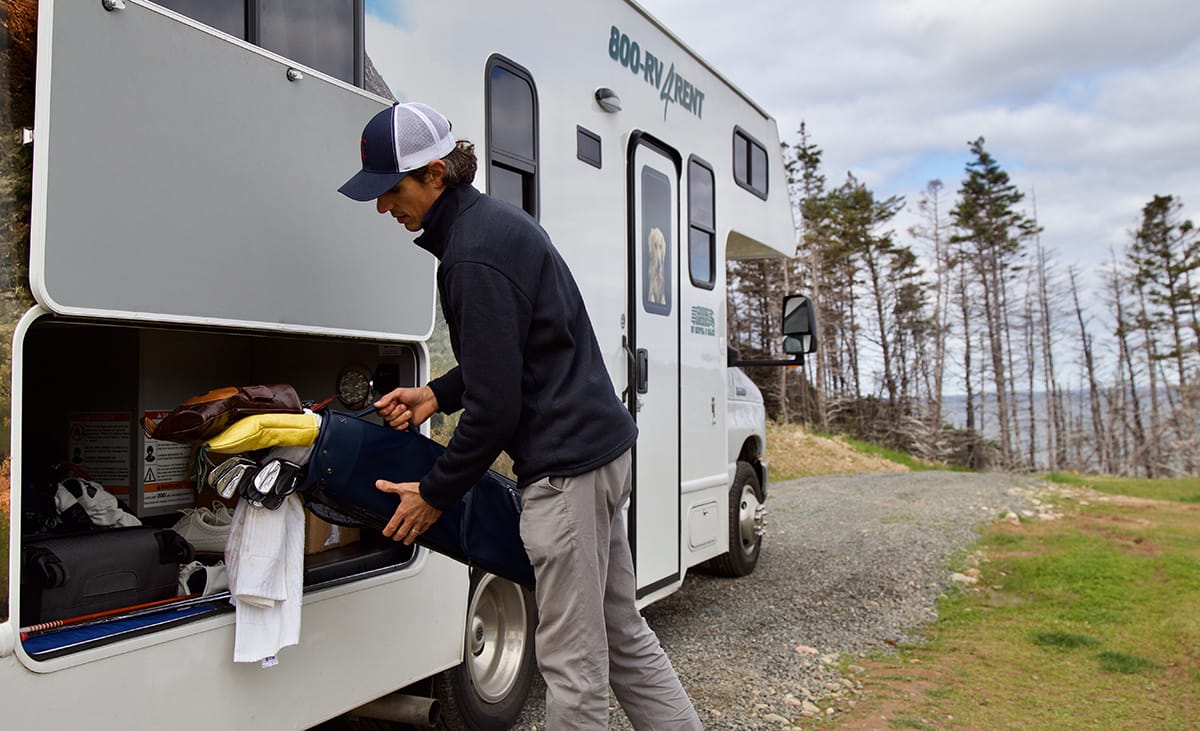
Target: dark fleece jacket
[531,379]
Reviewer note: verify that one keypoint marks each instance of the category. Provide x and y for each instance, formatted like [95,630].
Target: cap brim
[367,185]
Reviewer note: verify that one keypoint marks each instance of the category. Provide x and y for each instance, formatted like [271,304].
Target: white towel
[265,563]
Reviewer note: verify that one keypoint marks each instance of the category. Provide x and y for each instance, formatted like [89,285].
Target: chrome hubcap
[752,519]
[496,629]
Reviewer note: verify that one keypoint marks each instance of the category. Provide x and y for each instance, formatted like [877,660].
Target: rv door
[654,397]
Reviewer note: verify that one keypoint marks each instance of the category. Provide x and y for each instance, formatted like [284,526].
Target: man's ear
[437,171]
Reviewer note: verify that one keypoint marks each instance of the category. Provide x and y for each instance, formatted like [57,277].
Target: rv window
[701,224]
[749,163]
[741,160]
[512,134]
[224,15]
[317,33]
[758,168]
[321,34]
[507,184]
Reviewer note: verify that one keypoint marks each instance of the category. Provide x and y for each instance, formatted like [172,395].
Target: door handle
[642,370]
[640,363]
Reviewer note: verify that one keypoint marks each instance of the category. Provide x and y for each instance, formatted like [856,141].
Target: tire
[746,521]
[489,689]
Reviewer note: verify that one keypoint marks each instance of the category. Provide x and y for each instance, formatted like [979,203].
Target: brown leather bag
[201,417]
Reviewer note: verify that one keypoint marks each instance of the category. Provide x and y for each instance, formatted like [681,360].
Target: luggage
[70,575]
[351,453]
[203,416]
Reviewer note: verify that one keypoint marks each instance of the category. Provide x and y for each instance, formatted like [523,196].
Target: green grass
[1063,640]
[893,455]
[1120,662]
[1088,622]
[1180,489]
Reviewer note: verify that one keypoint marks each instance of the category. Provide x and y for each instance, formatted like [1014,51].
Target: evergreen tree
[987,220]
[1165,258]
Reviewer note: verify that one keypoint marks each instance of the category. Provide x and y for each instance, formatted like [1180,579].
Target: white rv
[186,234]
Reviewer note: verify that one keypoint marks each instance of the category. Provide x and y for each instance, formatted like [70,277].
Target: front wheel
[747,518]
[488,690]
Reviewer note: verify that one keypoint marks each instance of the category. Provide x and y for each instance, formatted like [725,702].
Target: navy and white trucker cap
[395,142]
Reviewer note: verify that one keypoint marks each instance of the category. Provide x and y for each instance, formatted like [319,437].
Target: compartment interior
[74,368]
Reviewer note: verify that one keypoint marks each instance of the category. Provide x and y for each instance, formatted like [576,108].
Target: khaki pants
[590,634]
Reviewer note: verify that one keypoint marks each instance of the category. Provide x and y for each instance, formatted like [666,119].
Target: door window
[656,242]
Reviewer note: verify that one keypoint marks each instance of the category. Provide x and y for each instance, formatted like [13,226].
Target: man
[530,381]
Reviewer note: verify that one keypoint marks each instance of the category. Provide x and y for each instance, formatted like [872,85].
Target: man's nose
[381,205]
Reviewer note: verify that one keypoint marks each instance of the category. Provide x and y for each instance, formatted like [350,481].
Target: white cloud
[1095,104]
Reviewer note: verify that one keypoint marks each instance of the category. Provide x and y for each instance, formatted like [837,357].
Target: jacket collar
[441,217]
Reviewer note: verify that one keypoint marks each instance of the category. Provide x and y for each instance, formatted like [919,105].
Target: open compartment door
[182,175]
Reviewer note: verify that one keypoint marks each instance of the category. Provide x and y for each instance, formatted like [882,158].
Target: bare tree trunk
[1054,419]
[877,295]
[1098,437]
[964,303]
[821,377]
[1010,369]
[1150,351]
[992,292]
[785,415]
[852,351]
[1030,359]
[1140,453]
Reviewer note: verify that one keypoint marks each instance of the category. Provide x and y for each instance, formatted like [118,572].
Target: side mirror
[795,346]
[799,325]
[799,335]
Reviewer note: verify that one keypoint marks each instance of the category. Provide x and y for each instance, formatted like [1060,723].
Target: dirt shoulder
[793,452]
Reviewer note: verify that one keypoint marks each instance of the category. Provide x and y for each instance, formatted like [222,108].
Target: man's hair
[460,165]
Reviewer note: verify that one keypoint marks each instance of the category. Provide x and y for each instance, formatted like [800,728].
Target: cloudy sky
[1091,105]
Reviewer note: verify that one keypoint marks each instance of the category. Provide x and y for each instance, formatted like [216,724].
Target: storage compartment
[85,387]
[704,524]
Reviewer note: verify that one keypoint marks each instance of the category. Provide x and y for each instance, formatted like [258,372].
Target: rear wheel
[488,690]
[747,518]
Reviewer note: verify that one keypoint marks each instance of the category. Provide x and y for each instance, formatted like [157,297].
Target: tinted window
[700,194]
[702,250]
[507,184]
[758,168]
[750,164]
[225,15]
[740,159]
[317,33]
[512,113]
[512,134]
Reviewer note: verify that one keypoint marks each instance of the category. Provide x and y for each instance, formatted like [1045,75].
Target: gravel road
[851,564]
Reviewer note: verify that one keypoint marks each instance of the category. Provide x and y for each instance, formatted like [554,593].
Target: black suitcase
[77,574]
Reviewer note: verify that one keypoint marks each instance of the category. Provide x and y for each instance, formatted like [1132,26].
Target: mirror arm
[797,360]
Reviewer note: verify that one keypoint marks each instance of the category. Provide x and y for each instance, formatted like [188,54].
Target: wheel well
[750,453]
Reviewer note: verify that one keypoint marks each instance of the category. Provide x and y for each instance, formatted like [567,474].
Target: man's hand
[405,406]
[413,517]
